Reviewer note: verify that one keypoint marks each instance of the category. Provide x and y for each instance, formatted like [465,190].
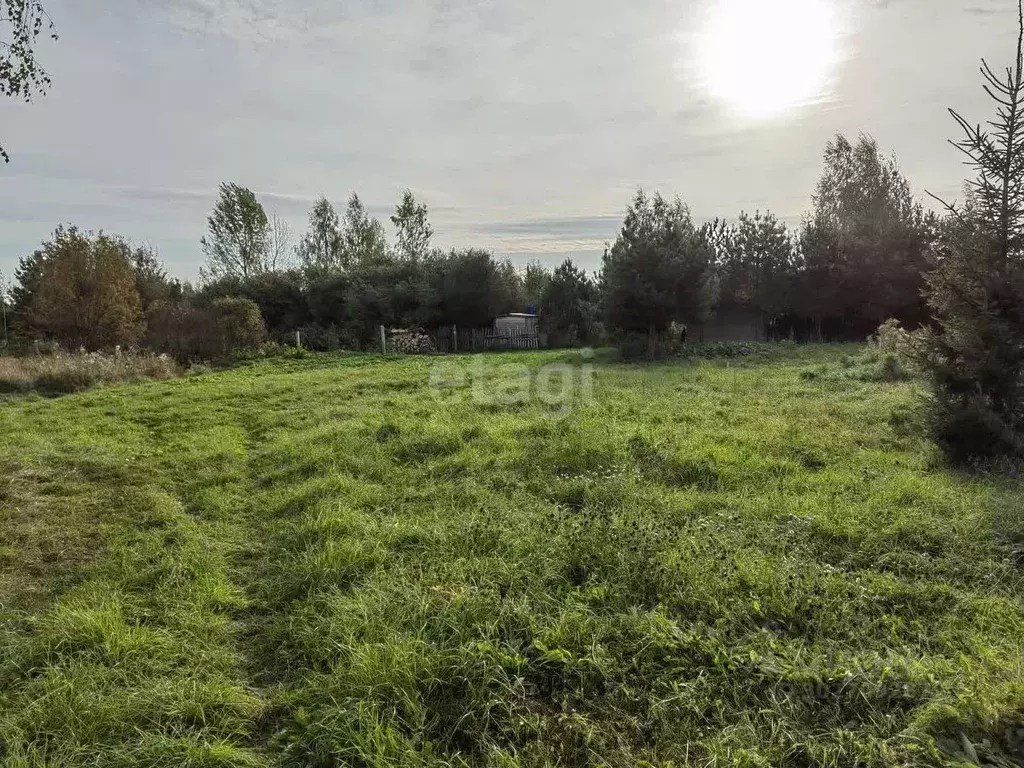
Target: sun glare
[762,57]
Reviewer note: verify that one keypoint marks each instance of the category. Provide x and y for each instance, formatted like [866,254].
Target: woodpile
[412,342]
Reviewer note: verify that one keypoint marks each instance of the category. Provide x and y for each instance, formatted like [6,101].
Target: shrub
[890,337]
[271,350]
[187,333]
[239,323]
[279,296]
[642,346]
[895,354]
[328,338]
[969,429]
[891,369]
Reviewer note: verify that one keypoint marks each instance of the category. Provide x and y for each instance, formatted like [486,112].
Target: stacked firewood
[412,342]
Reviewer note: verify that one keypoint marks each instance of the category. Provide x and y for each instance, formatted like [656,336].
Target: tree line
[858,258]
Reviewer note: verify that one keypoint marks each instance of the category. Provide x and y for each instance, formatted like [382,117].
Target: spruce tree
[976,293]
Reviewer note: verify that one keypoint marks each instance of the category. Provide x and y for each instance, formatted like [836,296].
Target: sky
[525,127]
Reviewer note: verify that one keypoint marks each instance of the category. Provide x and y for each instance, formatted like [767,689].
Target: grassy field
[329,562]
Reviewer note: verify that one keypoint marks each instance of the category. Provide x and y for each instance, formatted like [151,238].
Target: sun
[763,57]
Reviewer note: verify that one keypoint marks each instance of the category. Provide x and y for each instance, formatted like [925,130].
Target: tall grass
[66,373]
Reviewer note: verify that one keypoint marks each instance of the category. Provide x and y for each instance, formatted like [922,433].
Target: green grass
[327,562]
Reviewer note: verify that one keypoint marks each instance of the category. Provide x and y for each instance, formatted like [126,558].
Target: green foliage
[26,282]
[469,288]
[635,347]
[892,368]
[239,238]
[536,278]
[866,245]
[151,278]
[977,291]
[320,250]
[6,307]
[412,228]
[80,290]
[890,337]
[729,350]
[328,338]
[331,246]
[659,269]
[329,299]
[216,332]
[310,562]
[385,293]
[21,76]
[757,263]
[239,323]
[280,296]
[344,309]
[363,239]
[570,300]
[900,354]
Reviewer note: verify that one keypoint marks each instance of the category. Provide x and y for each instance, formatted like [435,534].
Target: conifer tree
[976,293]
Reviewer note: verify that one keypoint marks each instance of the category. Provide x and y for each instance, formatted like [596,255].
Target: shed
[517,323]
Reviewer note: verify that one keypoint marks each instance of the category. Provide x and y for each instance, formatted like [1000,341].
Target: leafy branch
[21,76]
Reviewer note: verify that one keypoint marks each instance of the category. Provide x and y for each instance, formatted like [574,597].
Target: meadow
[350,560]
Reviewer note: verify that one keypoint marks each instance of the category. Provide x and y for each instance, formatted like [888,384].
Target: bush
[894,354]
[328,338]
[279,296]
[59,374]
[891,368]
[969,429]
[82,292]
[890,337]
[187,333]
[240,324]
[639,346]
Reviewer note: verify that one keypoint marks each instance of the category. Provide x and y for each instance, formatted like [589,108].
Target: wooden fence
[450,340]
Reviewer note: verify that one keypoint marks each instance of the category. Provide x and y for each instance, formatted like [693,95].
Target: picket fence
[452,339]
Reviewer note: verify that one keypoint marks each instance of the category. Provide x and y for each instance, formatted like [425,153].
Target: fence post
[383,341]
[298,339]
[455,338]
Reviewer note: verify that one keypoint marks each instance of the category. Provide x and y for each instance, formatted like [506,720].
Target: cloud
[244,20]
[570,226]
[157,195]
[526,127]
[589,260]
